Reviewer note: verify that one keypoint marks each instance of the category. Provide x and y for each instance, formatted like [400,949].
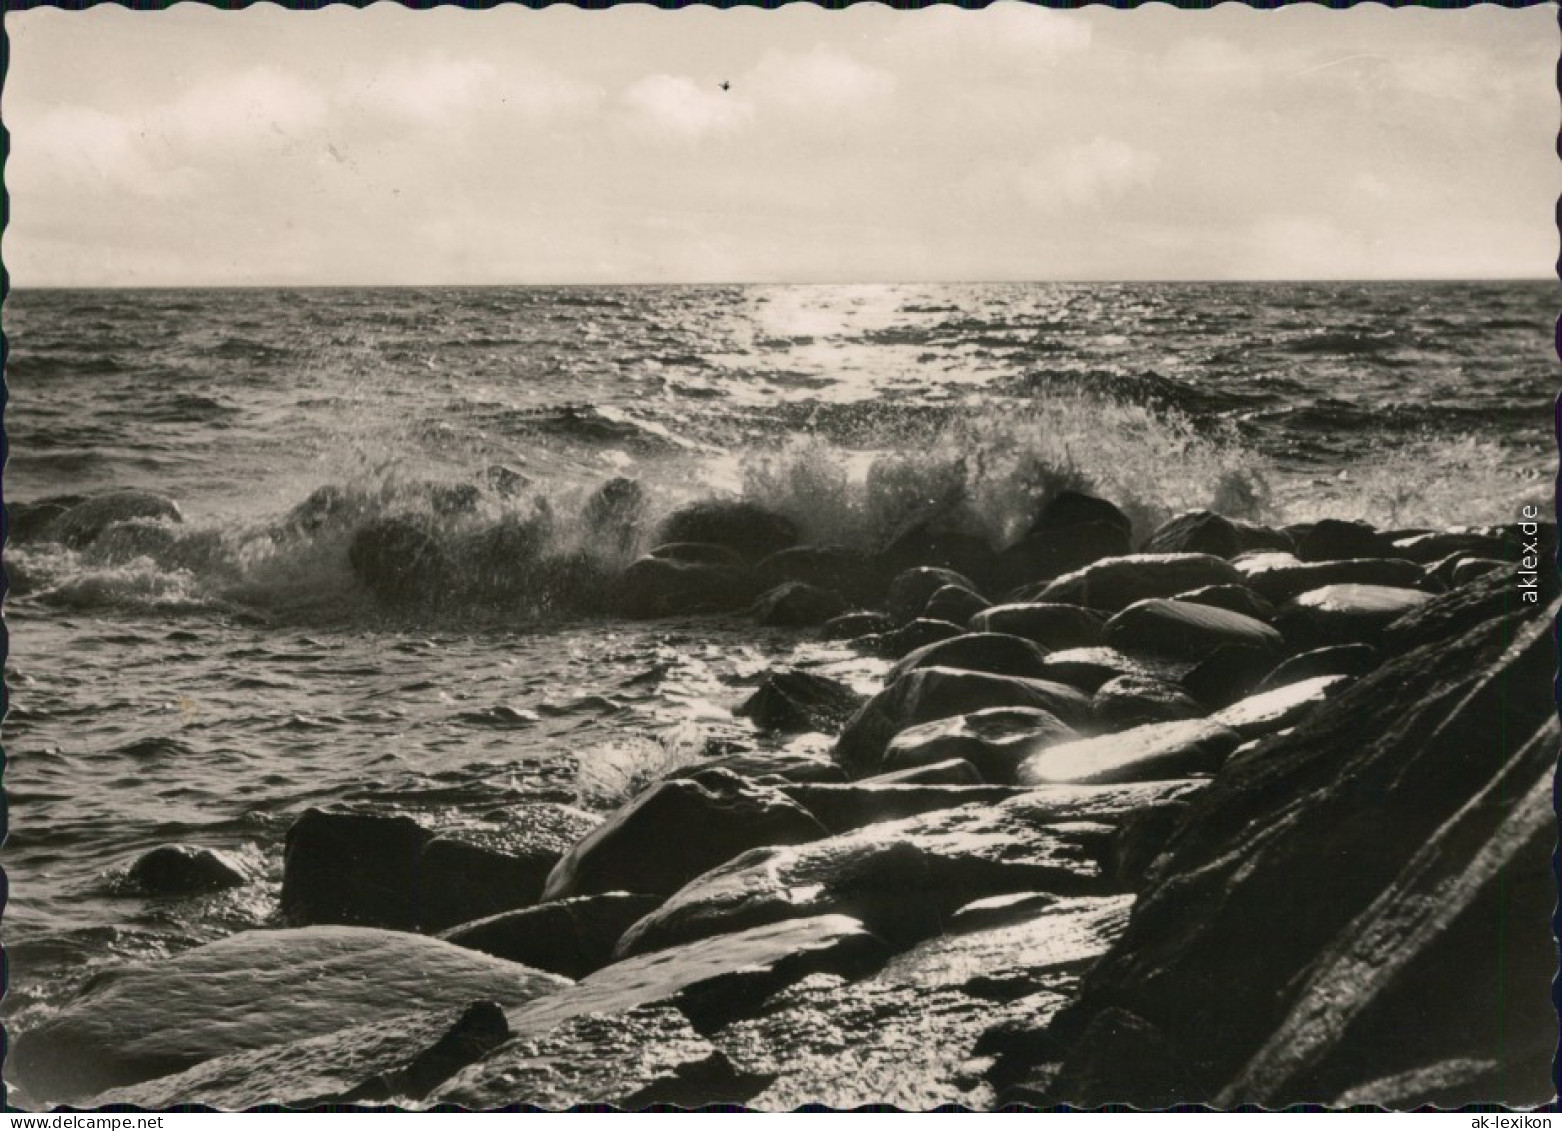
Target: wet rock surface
[994,741]
[795,701]
[1153,752]
[183,869]
[352,867]
[573,937]
[285,985]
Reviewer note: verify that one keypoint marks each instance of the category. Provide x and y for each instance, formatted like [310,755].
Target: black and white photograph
[925,559]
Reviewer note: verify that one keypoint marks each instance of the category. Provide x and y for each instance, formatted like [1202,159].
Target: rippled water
[205,685]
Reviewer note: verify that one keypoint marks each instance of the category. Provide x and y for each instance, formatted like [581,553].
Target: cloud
[1005,32]
[241,106]
[444,91]
[678,107]
[823,83]
[1088,175]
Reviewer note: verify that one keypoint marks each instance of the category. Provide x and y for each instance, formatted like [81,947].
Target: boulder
[911,590]
[479,872]
[32,522]
[1341,659]
[841,808]
[1227,674]
[928,694]
[642,1056]
[1131,700]
[751,530]
[82,523]
[838,568]
[572,937]
[184,869]
[994,741]
[1113,584]
[953,771]
[1054,627]
[1154,752]
[902,879]
[954,603]
[1195,532]
[661,587]
[1232,598]
[282,985]
[1333,539]
[1424,549]
[794,701]
[851,625]
[797,604]
[1192,631]
[1254,537]
[1345,614]
[352,867]
[1471,568]
[1291,861]
[400,1059]
[1284,707]
[702,553]
[401,560]
[991,652]
[676,830]
[1075,508]
[1042,557]
[1279,577]
[913,635]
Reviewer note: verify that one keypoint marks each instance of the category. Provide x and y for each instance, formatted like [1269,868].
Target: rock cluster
[1224,820]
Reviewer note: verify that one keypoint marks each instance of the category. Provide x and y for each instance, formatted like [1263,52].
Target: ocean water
[202,683]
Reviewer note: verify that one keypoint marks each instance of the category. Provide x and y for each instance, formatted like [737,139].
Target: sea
[202,683]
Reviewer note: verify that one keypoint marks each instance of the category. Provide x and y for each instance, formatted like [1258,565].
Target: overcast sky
[196,146]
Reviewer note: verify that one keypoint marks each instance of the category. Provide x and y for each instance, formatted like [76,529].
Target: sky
[195,146]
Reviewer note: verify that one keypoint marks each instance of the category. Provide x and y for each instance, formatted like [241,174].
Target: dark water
[204,683]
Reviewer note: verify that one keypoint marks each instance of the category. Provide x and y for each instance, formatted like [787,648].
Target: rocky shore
[1227,813]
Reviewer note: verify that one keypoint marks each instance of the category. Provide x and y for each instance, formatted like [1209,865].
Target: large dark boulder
[1333,539]
[795,701]
[1049,554]
[1232,598]
[1341,659]
[1424,549]
[748,528]
[701,552]
[183,869]
[954,603]
[1195,532]
[1286,939]
[1130,701]
[572,937]
[1074,508]
[1054,627]
[992,652]
[476,872]
[674,831]
[661,587]
[926,694]
[969,555]
[33,522]
[81,525]
[1181,628]
[1113,584]
[137,1022]
[911,636]
[352,867]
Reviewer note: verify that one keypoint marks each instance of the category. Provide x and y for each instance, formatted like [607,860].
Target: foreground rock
[401,1059]
[928,694]
[1054,627]
[572,937]
[80,525]
[903,879]
[1154,752]
[352,867]
[148,1020]
[1180,628]
[794,701]
[841,808]
[995,741]
[567,1040]
[1113,584]
[991,652]
[1346,614]
[1300,875]
[674,831]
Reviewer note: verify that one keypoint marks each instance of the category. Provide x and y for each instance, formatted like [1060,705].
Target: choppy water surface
[206,684]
